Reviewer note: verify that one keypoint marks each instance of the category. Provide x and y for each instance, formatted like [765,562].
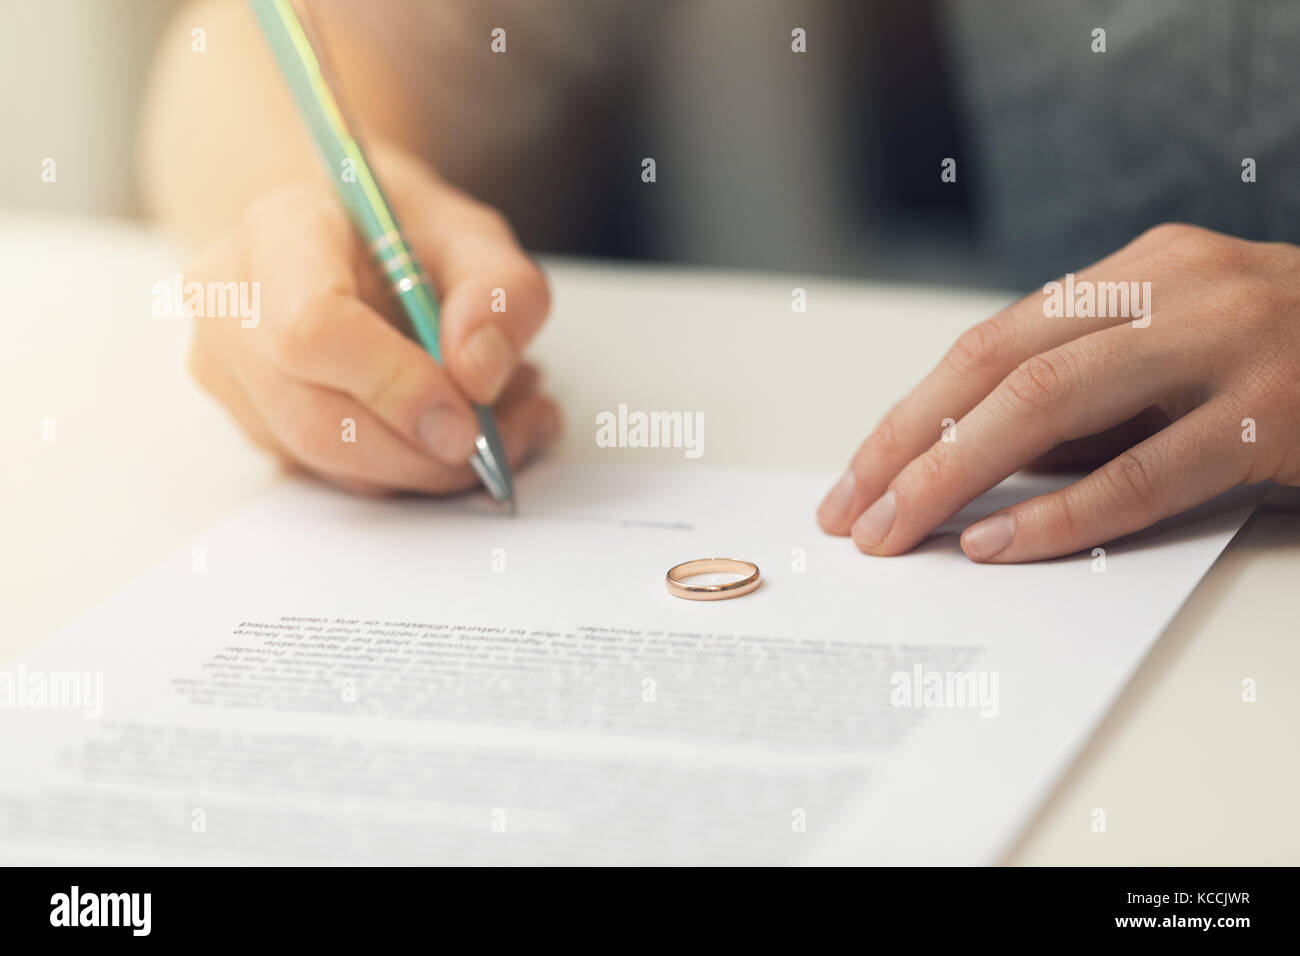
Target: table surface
[142,462]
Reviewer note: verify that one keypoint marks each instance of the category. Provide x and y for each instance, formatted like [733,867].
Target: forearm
[220,129]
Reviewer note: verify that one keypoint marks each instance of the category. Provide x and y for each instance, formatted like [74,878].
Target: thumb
[494,297]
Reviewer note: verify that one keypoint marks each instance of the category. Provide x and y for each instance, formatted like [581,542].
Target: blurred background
[73,72]
[826,162]
[77,70]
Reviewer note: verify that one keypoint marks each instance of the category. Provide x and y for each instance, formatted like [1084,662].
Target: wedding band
[712,592]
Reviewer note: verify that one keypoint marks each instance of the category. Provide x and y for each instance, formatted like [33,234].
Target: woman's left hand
[1195,388]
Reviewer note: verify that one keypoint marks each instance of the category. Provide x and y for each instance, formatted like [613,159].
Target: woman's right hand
[322,376]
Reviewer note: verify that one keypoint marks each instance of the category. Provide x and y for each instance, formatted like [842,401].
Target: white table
[142,462]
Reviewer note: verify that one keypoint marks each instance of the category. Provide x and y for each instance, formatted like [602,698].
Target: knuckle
[1227,253]
[884,443]
[931,468]
[1134,480]
[1167,232]
[389,387]
[1184,245]
[1263,385]
[296,342]
[1065,519]
[1040,383]
[980,348]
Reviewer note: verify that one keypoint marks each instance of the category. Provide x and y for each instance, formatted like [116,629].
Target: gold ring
[712,592]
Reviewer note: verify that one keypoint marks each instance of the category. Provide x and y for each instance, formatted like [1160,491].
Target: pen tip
[514,508]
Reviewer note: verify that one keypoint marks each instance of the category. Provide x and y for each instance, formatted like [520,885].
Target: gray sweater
[830,160]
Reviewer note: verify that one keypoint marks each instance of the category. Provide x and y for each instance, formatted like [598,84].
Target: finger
[1087,453]
[332,434]
[494,296]
[1066,393]
[338,342]
[527,426]
[976,363]
[215,377]
[1173,470]
[526,381]
[318,331]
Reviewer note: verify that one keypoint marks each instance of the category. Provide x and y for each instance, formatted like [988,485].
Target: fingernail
[990,536]
[835,506]
[874,523]
[448,432]
[490,358]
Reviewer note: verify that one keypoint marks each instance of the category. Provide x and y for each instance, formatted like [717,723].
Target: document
[330,679]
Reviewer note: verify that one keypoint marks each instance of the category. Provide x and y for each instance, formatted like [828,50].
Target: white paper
[331,679]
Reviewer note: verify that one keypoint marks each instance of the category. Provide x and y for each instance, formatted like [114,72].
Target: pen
[304,66]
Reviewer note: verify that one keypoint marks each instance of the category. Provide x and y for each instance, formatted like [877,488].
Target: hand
[325,348]
[1199,395]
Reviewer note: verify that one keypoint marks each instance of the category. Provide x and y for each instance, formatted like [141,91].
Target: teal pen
[303,64]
